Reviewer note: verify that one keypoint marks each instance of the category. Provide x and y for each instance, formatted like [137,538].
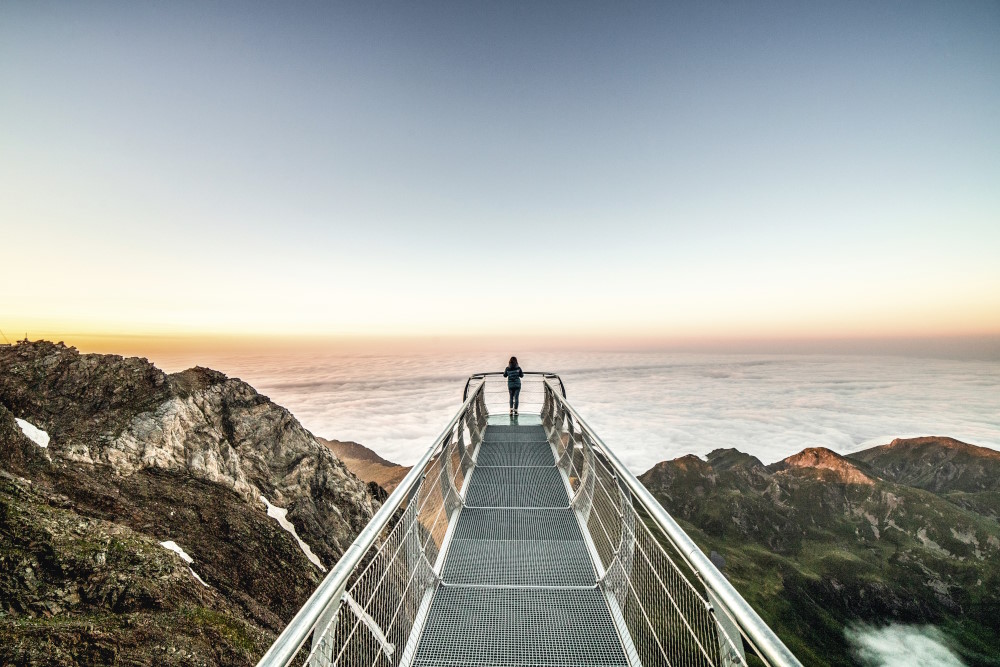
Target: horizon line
[957,346]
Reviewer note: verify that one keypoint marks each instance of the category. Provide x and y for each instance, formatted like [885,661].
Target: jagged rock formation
[819,540]
[147,457]
[366,464]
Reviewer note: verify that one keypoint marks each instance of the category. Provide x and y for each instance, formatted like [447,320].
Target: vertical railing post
[460,443]
[452,498]
[584,499]
[471,422]
[482,413]
[546,405]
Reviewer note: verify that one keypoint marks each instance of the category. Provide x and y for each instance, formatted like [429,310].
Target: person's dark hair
[513,362]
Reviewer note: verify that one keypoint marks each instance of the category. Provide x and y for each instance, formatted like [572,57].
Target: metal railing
[366,609]
[672,606]
[532,388]
[678,608]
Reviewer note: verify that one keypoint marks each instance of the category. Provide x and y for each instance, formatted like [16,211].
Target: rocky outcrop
[186,458]
[126,416]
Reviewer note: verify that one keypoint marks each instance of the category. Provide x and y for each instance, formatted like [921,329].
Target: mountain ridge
[187,458]
[935,463]
[818,541]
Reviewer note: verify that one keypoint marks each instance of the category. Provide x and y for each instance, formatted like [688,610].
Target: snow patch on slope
[200,580]
[280,514]
[35,434]
[173,546]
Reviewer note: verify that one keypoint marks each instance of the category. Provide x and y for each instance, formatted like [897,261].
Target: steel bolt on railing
[672,606]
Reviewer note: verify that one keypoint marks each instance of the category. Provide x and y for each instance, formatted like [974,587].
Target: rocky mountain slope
[366,464]
[907,533]
[135,458]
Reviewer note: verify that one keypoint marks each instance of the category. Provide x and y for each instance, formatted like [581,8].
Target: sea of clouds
[901,646]
[648,406]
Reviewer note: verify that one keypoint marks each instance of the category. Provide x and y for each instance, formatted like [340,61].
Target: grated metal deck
[522,454]
[516,487]
[518,582]
[527,626]
[505,434]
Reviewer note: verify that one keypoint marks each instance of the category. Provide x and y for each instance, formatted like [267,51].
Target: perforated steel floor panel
[523,627]
[519,563]
[515,454]
[514,434]
[504,428]
[481,523]
[505,419]
[516,487]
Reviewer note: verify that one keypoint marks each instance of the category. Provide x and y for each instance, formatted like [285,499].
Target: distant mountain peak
[843,469]
[690,461]
[942,442]
[935,463]
[366,464]
[726,459]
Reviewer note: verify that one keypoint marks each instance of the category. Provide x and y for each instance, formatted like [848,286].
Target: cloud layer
[901,646]
[647,406]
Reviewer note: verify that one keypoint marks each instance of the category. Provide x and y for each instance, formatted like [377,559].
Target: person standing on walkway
[513,373]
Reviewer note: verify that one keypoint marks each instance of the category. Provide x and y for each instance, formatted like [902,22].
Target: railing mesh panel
[662,603]
[374,622]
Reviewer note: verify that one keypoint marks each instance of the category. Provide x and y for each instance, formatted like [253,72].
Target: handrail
[751,624]
[545,374]
[332,588]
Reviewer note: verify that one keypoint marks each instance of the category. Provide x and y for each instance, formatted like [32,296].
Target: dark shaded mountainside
[136,458]
[905,533]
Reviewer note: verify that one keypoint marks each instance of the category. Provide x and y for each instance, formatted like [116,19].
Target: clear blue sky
[656,169]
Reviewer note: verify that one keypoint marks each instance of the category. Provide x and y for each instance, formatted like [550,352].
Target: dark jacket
[513,376]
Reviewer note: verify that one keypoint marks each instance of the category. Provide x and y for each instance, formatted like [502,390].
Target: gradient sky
[594,169]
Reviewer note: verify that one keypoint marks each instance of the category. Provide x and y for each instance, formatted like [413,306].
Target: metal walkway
[524,542]
[519,586]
